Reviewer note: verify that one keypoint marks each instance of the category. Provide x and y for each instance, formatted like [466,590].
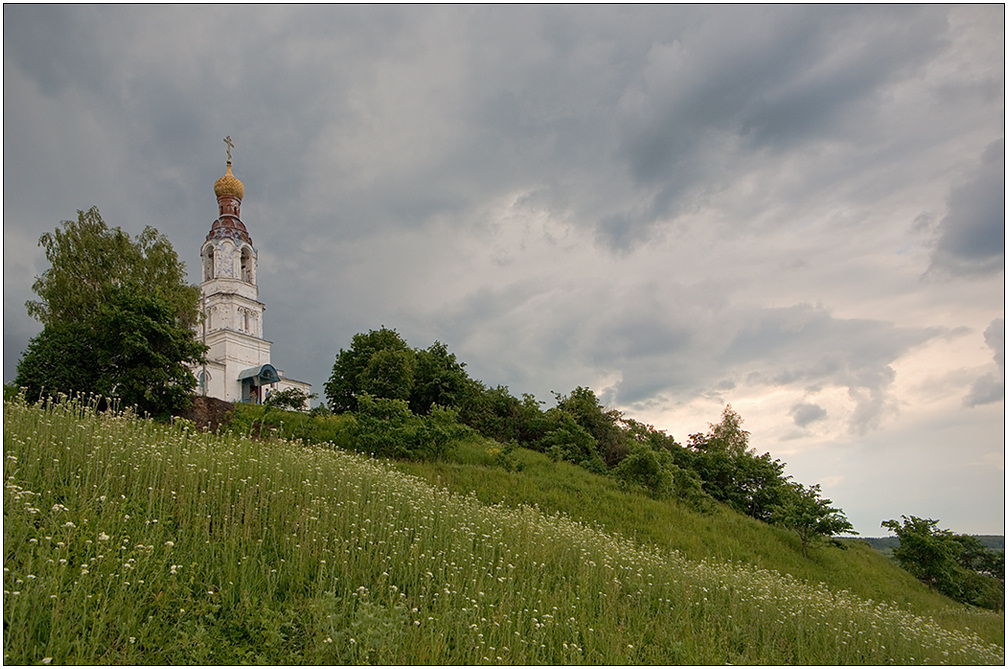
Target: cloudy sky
[795,210]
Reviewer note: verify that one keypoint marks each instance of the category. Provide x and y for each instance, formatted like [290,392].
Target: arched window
[247,269]
[204,381]
[208,260]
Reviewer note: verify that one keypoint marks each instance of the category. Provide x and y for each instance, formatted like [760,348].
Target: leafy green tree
[567,440]
[88,259]
[133,349]
[802,509]
[947,561]
[439,379]
[147,349]
[733,473]
[389,374]
[531,422]
[726,437]
[379,363]
[387,427]
[761,482]
[929,553]
[62,358]
[117,318]
[648,435]
[493,412]
[977,557]
[649,468]
[982,581]
[604,426]
[749,483]
[289,399]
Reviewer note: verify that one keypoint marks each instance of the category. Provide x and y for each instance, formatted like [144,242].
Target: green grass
[719,536]
[127,541]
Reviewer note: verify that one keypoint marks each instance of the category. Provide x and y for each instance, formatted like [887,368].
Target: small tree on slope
[810,516]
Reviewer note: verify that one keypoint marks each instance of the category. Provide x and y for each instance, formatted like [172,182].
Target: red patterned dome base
[229,227]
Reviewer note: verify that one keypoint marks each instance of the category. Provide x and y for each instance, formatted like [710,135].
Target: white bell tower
[238,365]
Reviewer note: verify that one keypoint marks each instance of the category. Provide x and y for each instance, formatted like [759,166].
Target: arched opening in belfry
[247,265]
[208,263]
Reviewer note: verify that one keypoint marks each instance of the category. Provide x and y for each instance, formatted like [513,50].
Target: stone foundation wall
[208,412]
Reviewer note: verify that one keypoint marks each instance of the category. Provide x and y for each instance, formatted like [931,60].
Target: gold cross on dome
[230,145]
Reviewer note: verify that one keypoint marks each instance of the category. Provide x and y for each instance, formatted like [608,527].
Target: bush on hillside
[689,490]
[802,510]
[650,469]
[290,399]
[570,442]
[388,428]
[935,556]
[656,472]
[378,363]
[612,442]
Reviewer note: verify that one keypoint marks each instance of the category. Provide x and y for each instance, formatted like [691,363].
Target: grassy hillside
[720,536]
[127,541]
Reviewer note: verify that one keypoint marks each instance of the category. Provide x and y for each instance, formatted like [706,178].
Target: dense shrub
[612,442]
[438,380]
[936,557]
[650,469]
[689,490]
[568,441]
[290,399]
[493,412]
[388,428]
[749,483]
[983,590]
[378,363]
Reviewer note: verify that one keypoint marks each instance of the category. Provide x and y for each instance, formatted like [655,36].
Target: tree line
[380,369]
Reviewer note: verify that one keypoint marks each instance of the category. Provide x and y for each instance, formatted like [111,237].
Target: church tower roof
[229,185]
[230,192]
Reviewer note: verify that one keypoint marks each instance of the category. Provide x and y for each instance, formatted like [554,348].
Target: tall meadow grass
[717,535]
[130,541]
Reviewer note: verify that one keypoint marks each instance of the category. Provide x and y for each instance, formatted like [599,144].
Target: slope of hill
[721,536]
[127,541]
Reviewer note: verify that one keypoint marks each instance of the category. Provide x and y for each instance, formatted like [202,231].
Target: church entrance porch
[253,379]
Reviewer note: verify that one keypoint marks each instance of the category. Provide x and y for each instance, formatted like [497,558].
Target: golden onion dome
[229,185]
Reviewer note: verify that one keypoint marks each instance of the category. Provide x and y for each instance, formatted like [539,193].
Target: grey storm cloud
[971,237]
[822,345]
[759,81]
[807,347]
[805,413]
[989,388]
[994,336]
